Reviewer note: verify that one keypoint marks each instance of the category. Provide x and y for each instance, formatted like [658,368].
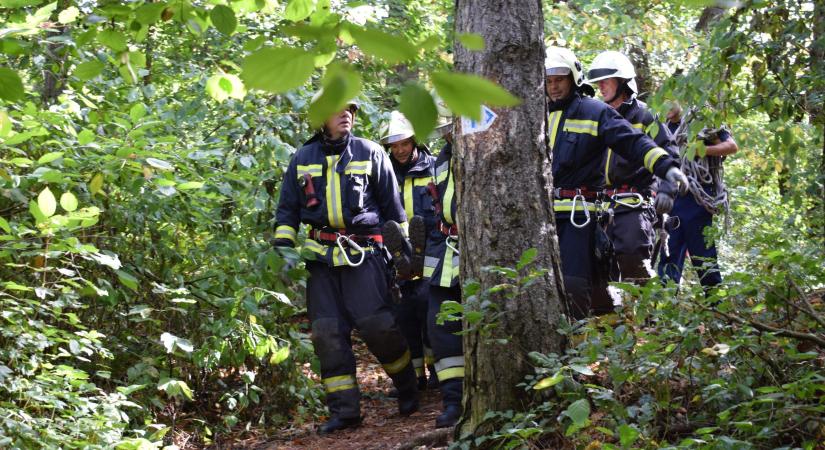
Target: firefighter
[414,169]
[344,189]
[580,131]
[707,196]
[441,267]
[630,188]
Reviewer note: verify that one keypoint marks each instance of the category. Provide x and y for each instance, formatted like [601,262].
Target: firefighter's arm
[634,145]
[386,190]
[288,216]
[726,145]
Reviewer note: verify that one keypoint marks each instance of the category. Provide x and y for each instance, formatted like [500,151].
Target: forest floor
[382,427]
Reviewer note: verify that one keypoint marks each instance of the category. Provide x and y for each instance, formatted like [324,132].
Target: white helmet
[612,64]
[561,61]
[445,116]
[397,129]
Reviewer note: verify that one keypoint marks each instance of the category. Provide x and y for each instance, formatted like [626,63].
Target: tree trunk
[504,189]
[817,111]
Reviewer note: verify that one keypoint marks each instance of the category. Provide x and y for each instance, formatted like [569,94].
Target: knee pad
[382,335]
[328,337]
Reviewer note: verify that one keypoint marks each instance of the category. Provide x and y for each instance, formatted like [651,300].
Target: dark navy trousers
[447,346]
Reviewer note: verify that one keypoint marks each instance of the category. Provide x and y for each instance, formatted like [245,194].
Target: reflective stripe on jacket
[440,261]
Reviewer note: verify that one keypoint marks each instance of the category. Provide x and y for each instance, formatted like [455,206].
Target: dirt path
[382,427]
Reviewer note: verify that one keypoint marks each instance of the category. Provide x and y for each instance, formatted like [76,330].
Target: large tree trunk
[817,110]
[504,189]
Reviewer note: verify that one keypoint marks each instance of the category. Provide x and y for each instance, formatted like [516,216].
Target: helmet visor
[557,71]
[594,74]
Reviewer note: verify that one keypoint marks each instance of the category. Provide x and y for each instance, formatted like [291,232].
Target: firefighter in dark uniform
[629,188]
[344,188]
[441,267]
[414,169]
[707,196]
[581,129]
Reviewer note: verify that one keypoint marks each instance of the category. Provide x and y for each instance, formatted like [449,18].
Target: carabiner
[354,246]
[617,198]
[453,248]
[573,211]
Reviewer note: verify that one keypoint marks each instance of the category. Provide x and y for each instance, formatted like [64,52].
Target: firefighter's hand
[289,255]
[663,203]
[677,177]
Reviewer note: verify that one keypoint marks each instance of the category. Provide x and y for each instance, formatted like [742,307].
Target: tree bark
[504,187]
[817,95]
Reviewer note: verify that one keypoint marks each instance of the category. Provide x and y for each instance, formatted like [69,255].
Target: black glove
[663,203]
[288,254]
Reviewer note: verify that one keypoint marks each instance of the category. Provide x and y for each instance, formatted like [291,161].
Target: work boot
[418,241]
[399,248]
[338,423]
[449,417]
[407,402]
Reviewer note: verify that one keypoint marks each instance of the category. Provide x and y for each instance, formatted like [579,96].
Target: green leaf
[115,40]
[87,70]
[175,388]
[279,355]
[149,13]
[465,94]
[85,137]
[527,257]
[4,225]
[68,15]
[471,41]
[190,185]
[387,47]
[159,164]
[223,18]
[277,70]
[11,86]
[5,124]
[49,157]
[550,381]
[223,86]
[298,10]
[35,211]
[128,280]
[578,412]
[172,342]
[46,202]
[96,184]
[584,370]
[341,84]
[68,201]
[418,106]
[627,435]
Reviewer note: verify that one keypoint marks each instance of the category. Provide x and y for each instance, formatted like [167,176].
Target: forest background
[142,146]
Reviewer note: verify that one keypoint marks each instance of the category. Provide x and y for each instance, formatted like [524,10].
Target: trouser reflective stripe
[450,367]
[418,363]
[340,383]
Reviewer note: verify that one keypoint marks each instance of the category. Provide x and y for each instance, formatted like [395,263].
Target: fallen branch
[771,329]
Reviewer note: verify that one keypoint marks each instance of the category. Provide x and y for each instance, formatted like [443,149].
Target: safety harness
[344,240]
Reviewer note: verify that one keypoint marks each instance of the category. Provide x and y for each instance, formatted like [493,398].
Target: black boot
[422,383]
[337,423]
[418,240]
[407,402]
[449,417]
[399,248]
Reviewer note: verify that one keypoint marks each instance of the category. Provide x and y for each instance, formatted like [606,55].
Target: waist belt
[331,237]
[570,193]
[628,190]
[447,230]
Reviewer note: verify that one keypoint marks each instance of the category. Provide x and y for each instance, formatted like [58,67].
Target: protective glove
[677,177]
[289,255]
[663,203]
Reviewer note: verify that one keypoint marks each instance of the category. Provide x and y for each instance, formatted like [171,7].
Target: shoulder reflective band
[285,232]
[340,383]
[313,170]
[553,124]
[450,367]
[582,126]
[600,73]
[335,214]
[358,168]
[398,365]
[638,126]
[652,156]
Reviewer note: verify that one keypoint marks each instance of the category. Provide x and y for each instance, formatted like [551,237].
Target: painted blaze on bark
[503,186]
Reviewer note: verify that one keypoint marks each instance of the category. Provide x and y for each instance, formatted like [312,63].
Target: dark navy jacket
[356,188]
[581,130]
[440,261]
[619,172]
[412,186]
